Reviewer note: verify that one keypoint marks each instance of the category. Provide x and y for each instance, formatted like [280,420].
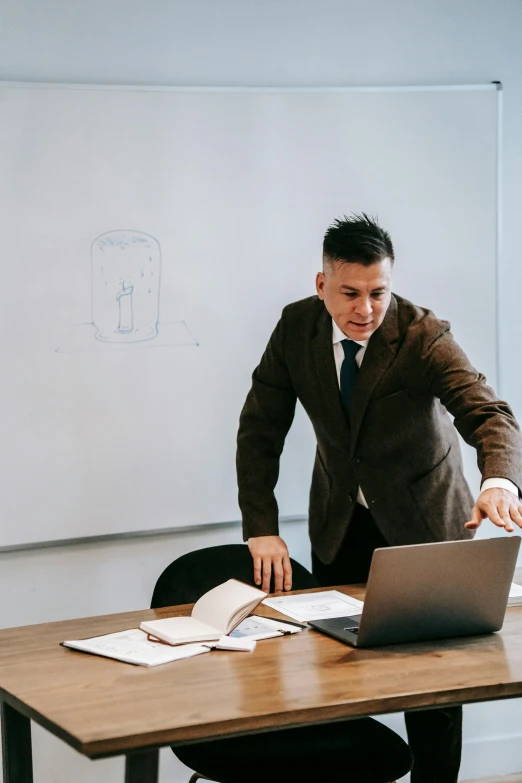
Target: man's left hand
[500,506]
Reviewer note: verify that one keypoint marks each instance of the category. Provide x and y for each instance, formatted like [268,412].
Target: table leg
[142,767]
[16,745]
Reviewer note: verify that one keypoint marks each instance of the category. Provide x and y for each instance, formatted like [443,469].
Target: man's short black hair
[357,239]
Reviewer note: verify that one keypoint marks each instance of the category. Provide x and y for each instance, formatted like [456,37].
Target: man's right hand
[271,553]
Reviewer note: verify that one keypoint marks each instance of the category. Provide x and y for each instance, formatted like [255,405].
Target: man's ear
[320,281]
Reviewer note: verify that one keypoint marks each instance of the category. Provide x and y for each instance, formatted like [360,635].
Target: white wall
[246,42]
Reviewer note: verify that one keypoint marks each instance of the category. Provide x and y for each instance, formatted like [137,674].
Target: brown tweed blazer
[399,443]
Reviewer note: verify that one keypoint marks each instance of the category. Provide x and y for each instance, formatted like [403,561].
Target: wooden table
[106,708]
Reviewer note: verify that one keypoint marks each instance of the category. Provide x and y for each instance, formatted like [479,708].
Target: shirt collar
[338,335]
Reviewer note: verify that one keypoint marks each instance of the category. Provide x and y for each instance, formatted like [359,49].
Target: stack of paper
[137,646]
[218,621]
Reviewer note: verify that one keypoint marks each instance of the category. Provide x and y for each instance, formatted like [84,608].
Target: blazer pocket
[391,396]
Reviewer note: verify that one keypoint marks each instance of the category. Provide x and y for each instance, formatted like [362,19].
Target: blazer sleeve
[483,421]
[266,417]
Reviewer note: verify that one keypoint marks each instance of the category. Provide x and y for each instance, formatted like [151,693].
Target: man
[376,375]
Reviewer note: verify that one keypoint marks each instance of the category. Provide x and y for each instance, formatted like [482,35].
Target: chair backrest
[193,574]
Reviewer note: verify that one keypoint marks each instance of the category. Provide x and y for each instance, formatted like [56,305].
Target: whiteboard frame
[494,85]
[490,86]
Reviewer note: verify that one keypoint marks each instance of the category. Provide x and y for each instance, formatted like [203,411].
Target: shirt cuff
[499,483]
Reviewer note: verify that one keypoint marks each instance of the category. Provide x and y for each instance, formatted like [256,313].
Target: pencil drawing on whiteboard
[126,279]
[125,297]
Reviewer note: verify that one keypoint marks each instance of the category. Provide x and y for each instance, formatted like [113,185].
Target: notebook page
[225,605]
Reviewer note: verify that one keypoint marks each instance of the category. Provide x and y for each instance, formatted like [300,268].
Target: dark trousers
[435,736]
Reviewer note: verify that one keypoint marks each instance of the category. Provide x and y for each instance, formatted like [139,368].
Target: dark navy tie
[349,370]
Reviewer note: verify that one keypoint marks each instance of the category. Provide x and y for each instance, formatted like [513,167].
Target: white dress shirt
[337,337]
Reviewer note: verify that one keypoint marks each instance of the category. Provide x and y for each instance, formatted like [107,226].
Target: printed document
[515,591]
[316,606]
[515,595]
[134,647]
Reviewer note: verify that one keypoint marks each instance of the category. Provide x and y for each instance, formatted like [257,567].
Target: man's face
[356,296]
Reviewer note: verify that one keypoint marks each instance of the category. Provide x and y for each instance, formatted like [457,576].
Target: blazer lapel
[379,354]
[327,375]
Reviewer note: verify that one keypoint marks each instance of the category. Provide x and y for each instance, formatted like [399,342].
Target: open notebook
[216,614]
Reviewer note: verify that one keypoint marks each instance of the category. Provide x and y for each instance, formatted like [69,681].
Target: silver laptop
[431,591]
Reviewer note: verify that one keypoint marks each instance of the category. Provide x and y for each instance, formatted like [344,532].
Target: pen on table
[284,622]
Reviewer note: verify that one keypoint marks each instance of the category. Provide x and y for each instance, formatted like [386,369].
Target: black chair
[358,751]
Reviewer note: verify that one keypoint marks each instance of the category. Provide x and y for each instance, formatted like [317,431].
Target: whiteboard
[150,239]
